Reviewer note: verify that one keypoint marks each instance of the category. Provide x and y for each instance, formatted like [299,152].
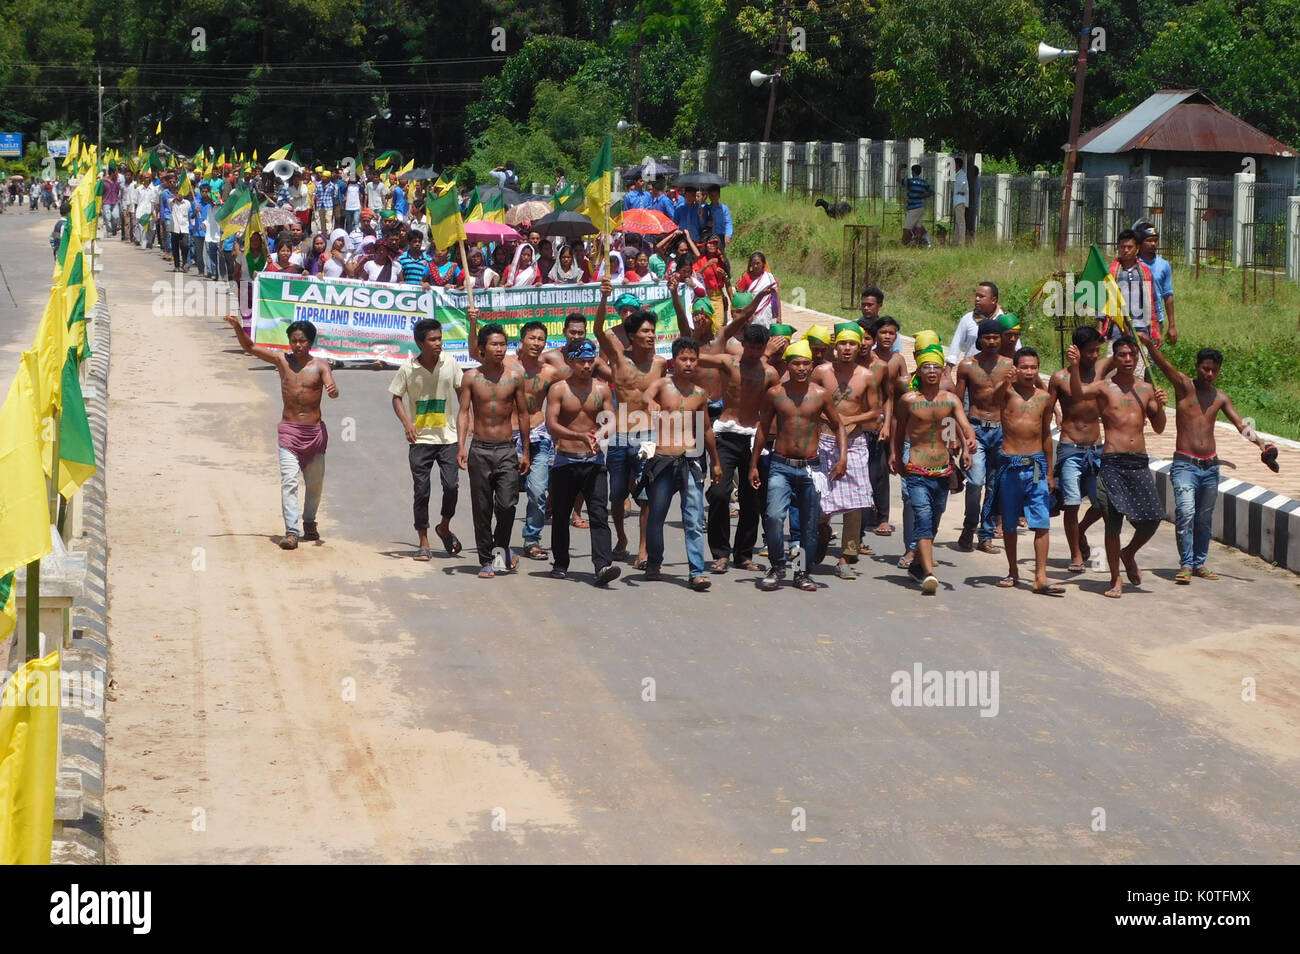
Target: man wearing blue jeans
[795,410]
[978,377]
[679,413]
[1195,470]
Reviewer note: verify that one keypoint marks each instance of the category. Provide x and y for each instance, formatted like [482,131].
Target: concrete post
[63,575]
[839,185]
[1198,197]
[944,175]
[763,173]
[1293,238]
[1002,209]
[864,168]
[1110,201]
[1040,205]
[728,174]
[811,154]
[702,160]
[1074,235]
[1243,211]
[787,153]
[915,150]
[1153,197]
[682,159]
[744,174]
[889,174]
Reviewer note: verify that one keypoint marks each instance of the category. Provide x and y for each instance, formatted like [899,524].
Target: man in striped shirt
[918,190]
[324,197]
[414,263]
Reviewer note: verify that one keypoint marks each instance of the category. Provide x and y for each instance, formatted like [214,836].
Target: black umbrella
[699,179]
[419,173]
[569,225]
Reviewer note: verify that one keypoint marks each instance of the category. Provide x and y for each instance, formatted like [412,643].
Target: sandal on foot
[749,565]
[719,566]
[1204,574]
[1008,582]
[641,564]
[1051,589]
[906,560]
[423,555]
[1077,568]
[487,572]
[987,546]
[558,574]
[579,523]
[1183,576]
[884,530]
[450,541]
[701,583]
[620,555]
[535,551]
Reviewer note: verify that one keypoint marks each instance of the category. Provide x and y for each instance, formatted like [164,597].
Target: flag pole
[464,264]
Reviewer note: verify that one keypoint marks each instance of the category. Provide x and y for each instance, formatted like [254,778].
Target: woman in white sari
[565,271]
[336,256]
[756,279]
[523,271]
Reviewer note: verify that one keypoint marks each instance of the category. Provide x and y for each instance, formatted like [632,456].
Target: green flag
[76,447]
[600,185]
[239,200]
[446,227]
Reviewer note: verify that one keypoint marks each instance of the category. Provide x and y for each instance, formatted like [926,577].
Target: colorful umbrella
[480,231]
[647,222]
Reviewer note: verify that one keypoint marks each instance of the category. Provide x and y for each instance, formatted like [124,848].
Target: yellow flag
[255,155]
[158,131]
[51,347]
[406,168]
[24,509]
[29,749]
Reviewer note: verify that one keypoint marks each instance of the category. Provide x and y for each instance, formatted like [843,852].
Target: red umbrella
[483,231]
[647,222]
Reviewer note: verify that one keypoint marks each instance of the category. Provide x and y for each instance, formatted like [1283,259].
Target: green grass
[932,288]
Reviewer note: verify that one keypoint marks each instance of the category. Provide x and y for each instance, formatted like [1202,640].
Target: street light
[1045,55]
[623,126]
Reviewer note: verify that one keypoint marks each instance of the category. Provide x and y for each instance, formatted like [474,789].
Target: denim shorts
[929,499]
[1022,489]
[624,466]
[1079,466]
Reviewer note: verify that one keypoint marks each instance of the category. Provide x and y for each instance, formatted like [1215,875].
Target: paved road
[775,708]
[26,262]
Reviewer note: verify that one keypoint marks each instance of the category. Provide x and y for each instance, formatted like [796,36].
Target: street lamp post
[1067,184]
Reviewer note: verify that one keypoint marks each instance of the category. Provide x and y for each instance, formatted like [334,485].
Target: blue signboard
[11,144]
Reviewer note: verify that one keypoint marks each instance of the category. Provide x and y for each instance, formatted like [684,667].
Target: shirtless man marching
[933,422]
[491,395]
[1078,455]
[1195,471]
[1125,487]
[1024,475]
[855,392]
[795,408]
[679,408]
[538,378]
[635,369]
[981,373]
[302,434]
[885,331]
[573,408]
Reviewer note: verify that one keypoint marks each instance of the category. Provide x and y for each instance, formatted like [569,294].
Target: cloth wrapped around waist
[1130,487]
[304,441]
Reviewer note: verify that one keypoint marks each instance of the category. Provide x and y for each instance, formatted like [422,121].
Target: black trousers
[180,249]
[733,455]
[422,458]
[493,493]
[592,481]
[878,472]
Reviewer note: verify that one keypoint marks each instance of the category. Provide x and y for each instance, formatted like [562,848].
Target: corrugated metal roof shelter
[1181,133]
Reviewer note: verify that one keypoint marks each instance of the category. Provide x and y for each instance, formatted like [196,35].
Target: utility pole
[780,52]
[99,146]
[636,88]
[1076,111]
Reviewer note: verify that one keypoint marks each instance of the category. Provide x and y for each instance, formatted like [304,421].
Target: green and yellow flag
[1097,289]
[29,748]
[8,605]
[238,201]
[25,526]
[76,446]
[489,209]
[568,199]
[600,185]
[446,227]
[387,157]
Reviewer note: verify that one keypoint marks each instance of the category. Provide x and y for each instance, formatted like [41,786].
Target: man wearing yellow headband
[819,340]
[847,382]
[978,379]
[794,409]
[932,422]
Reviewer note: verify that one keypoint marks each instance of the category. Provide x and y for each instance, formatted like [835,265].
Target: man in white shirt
[352,205]
[966,337]
[180,232]
[960,200]
[376,193]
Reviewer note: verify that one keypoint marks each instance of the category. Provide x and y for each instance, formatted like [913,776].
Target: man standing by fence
[960,201]
[918,190]
[1162,274]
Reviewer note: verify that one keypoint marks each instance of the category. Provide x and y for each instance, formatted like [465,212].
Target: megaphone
[282,169]
[1048,53]
[757,78]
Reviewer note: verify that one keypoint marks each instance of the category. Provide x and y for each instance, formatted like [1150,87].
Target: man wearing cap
[794,408]
[930,424]
[1010,344]
[979,378]
[848,384]
[966,335]
[1162,274]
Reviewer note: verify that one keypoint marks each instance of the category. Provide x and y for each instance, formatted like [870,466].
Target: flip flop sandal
[1183,576]
[719,566]
[1008,582]
[1204,574]
[751,566]
[536,552]
[451,542]
[906,560]
[424,554]
[486,573]
[988,547]
[642,564]
[1078,568]
[578,523]
[1051,589]
[885,531]
[513,562]
[701,583]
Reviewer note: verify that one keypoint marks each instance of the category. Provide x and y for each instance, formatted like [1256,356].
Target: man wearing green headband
[848,383]
[1010,326]
[931,421]
[793,410]
[978,379]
